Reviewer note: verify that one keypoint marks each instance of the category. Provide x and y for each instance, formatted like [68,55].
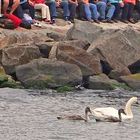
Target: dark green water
[32,115]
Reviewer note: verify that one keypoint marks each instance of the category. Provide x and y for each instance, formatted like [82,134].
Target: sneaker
[109,21]
[97,21]
[52,21]
[103,20]
[37,24]
[90,20]
[124,21]
[131,20]
[115,20]
[72,20]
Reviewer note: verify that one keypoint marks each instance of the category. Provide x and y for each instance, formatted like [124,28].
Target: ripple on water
[27,116]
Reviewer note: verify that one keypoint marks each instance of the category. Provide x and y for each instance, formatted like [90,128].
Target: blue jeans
[63,5]
[117,10]
[110,11]
[19,11]
[101,7]
[72,9]
[91,11]
[52,7]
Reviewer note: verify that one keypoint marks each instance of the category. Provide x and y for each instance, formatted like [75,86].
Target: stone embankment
[97,56]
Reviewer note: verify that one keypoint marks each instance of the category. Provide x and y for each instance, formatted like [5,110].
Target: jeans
[72,8]
[91,11]
[52,7]
[110,11]
[127,11]
[101,7]
[19,11]
[63,5]
[117,10]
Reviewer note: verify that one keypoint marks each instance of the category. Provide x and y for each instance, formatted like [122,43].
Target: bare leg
[14,6]
[5,6]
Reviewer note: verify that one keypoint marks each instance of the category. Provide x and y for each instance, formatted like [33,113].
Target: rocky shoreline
[96,56]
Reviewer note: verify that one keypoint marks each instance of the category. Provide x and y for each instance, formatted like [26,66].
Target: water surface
[32,115]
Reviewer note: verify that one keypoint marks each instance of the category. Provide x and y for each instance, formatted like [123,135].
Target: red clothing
[130,1]
[39,1]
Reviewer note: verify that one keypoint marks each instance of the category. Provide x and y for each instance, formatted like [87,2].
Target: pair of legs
[24,6]
[45,12]
[91,11]
[72,9]
[117,11]
[13,4]
[127,11]
[63,5]
[105,11]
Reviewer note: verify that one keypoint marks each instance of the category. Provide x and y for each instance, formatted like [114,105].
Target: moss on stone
[121,85]
[65,88]
[135,76]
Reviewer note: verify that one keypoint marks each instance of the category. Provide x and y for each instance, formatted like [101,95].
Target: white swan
[101,114]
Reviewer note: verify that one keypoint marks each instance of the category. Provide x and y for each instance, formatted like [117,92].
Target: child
[45,12]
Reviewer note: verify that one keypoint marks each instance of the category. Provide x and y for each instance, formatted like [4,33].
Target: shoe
[109,21]
[90,20]
[52,21]
[124,21]
[47,21]
[37,24]
[115,20]
[103,20]
[97,21]
[72,20]
[131,20]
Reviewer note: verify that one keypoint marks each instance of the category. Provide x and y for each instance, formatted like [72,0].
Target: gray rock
[42,73]
[119,48]
[88,64]
[84,31]
[101,82]
[18,55]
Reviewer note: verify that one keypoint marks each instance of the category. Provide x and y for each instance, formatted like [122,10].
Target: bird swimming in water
[112,118]
[77,117]
[106,112]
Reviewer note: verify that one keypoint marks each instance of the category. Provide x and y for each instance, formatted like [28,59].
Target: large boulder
[102,82]
[88,64]
[84,31]
[132,80]
[42,73]
[18,55]
[8,37]
[118,49]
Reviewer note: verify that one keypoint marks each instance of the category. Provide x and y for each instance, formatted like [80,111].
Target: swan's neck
[128,110]
[86,117]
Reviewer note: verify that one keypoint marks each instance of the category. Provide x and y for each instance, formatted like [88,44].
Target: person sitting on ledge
[91,12]
[13,4]
[127,11]
[56,4]
[45,12]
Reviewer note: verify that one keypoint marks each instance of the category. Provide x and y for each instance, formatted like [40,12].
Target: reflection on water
[33,115]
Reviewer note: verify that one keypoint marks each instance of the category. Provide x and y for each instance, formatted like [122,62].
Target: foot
[109,21]
[90,20]
[97,21]
[103,20]
[124,21]
[131,20]
[52,21]
[115,20]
